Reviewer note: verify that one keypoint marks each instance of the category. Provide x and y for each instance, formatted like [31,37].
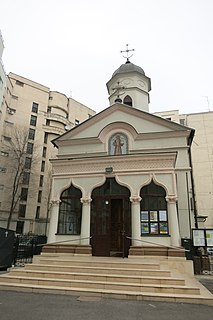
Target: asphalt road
[29,306]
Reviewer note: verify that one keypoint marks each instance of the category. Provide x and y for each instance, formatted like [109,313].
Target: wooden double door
[110,220]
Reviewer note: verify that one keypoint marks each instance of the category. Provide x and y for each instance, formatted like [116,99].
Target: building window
[42,166]
[6,138]
[38,213]
[39,196]
[3,170]
[9,123]
[118,144]
[22,210]
[128,101]
[31,135]
[19,83]
[33,121]
[153,209]
[70,211]
[35,107]
[24,193]
[45,137]
[47,122]
[4,153]
[29,148]
[48,109]
[41,181]
[20,227]
[77,122]
[28,162]
[182,121]
[44,152]
[26,178]
[50,98]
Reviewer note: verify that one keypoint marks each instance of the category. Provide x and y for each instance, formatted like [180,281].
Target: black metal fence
[26,246]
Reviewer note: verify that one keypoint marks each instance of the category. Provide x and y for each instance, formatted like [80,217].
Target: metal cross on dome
[127,52]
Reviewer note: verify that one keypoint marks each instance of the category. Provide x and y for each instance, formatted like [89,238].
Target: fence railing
[26,246]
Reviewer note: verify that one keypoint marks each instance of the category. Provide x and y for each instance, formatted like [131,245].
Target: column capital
[86,200]
[171,199]
[55,202]
[135,199]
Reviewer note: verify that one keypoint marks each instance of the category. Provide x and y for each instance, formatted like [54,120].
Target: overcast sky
[73,46]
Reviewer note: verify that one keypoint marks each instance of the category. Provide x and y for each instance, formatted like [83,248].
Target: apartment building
[2,74]
[32,115]
[202,160]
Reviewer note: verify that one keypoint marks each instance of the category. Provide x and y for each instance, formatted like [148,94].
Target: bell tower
[129,85]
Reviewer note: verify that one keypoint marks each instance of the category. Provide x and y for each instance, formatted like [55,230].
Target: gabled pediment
[121,117]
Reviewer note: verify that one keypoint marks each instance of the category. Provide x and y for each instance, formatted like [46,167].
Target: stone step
[106,270]
[113,294]
[138,279]
[108,264]
[101,285]
[98,277]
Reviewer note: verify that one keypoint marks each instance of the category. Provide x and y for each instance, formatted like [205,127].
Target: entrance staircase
[129,278]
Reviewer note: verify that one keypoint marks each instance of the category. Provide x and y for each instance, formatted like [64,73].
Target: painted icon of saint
[118,144]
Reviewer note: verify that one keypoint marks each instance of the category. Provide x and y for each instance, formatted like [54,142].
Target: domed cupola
[129,85]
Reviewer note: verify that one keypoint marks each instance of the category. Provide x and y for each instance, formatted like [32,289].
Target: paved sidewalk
[30,306]
[207,281]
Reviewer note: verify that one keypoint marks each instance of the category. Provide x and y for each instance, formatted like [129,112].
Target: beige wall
[202,158]
[53,121]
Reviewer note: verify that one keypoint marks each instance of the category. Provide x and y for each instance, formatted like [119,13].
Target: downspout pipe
[190,138]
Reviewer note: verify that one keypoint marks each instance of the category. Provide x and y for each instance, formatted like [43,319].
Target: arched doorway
[110,219]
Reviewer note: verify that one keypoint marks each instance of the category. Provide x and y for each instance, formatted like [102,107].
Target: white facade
[151,151]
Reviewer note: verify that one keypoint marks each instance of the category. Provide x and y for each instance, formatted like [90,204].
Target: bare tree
[19,148]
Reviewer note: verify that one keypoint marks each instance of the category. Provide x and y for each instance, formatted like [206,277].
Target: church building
[122,180]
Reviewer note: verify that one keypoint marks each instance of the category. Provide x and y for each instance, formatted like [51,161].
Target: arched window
[118,144]
[69,221]
[154,217]
[128,100]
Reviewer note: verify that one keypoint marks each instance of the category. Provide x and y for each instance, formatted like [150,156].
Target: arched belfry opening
[128,100]
[110,219]
[70,212]
[154,216]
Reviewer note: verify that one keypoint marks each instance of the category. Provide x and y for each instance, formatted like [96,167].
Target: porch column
[136,225]
[53,220]
[173,221]
[85,221]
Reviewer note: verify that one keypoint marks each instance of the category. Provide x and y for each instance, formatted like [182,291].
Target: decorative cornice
[120,164]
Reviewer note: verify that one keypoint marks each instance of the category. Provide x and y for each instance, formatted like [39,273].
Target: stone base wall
[74,249]
[156,251]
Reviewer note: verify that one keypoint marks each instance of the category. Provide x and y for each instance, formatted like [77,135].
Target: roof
[128,67]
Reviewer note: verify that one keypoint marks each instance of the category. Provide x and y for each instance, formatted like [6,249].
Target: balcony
[57,117]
